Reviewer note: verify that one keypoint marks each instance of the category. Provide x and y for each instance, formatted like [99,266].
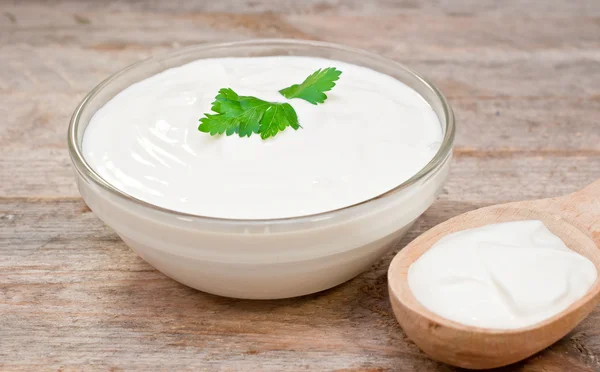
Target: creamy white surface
[370,135]
[506,275]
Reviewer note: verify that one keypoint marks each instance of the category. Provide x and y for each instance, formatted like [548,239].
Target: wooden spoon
[574,218]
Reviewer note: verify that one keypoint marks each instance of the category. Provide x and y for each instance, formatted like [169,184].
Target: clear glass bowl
[269,258]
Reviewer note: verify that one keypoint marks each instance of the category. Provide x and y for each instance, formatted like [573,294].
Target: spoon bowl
[574,218]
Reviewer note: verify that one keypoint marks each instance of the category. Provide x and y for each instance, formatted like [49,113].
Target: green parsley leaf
[246,115]
[218,124]
[227,101]
[276,118]
[312,88]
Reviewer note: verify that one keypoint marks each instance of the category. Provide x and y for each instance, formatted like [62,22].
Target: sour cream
[505,276]
[371,134]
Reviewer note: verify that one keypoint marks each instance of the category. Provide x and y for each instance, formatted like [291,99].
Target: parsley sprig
[312,89]
[246,115]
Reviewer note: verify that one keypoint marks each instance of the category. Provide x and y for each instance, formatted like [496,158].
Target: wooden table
[523,77]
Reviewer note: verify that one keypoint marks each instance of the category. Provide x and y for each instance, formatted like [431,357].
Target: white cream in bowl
[370,135]
[250,218]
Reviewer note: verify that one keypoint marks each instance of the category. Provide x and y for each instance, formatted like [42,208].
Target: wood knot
[433,325]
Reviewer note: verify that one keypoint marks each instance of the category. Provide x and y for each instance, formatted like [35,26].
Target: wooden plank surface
[523,77]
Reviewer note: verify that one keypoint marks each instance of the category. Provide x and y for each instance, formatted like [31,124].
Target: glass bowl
[267,258]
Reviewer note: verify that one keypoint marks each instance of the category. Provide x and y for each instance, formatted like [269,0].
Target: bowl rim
[87,172]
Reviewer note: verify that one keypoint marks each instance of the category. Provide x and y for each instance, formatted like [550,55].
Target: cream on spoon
[505,275]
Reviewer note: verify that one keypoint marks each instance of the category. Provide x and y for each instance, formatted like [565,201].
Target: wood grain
[552,126]
[523,77]
[492,177]
[84,288]
[333,7]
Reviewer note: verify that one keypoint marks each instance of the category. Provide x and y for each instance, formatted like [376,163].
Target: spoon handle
[592,190]
[582,208]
